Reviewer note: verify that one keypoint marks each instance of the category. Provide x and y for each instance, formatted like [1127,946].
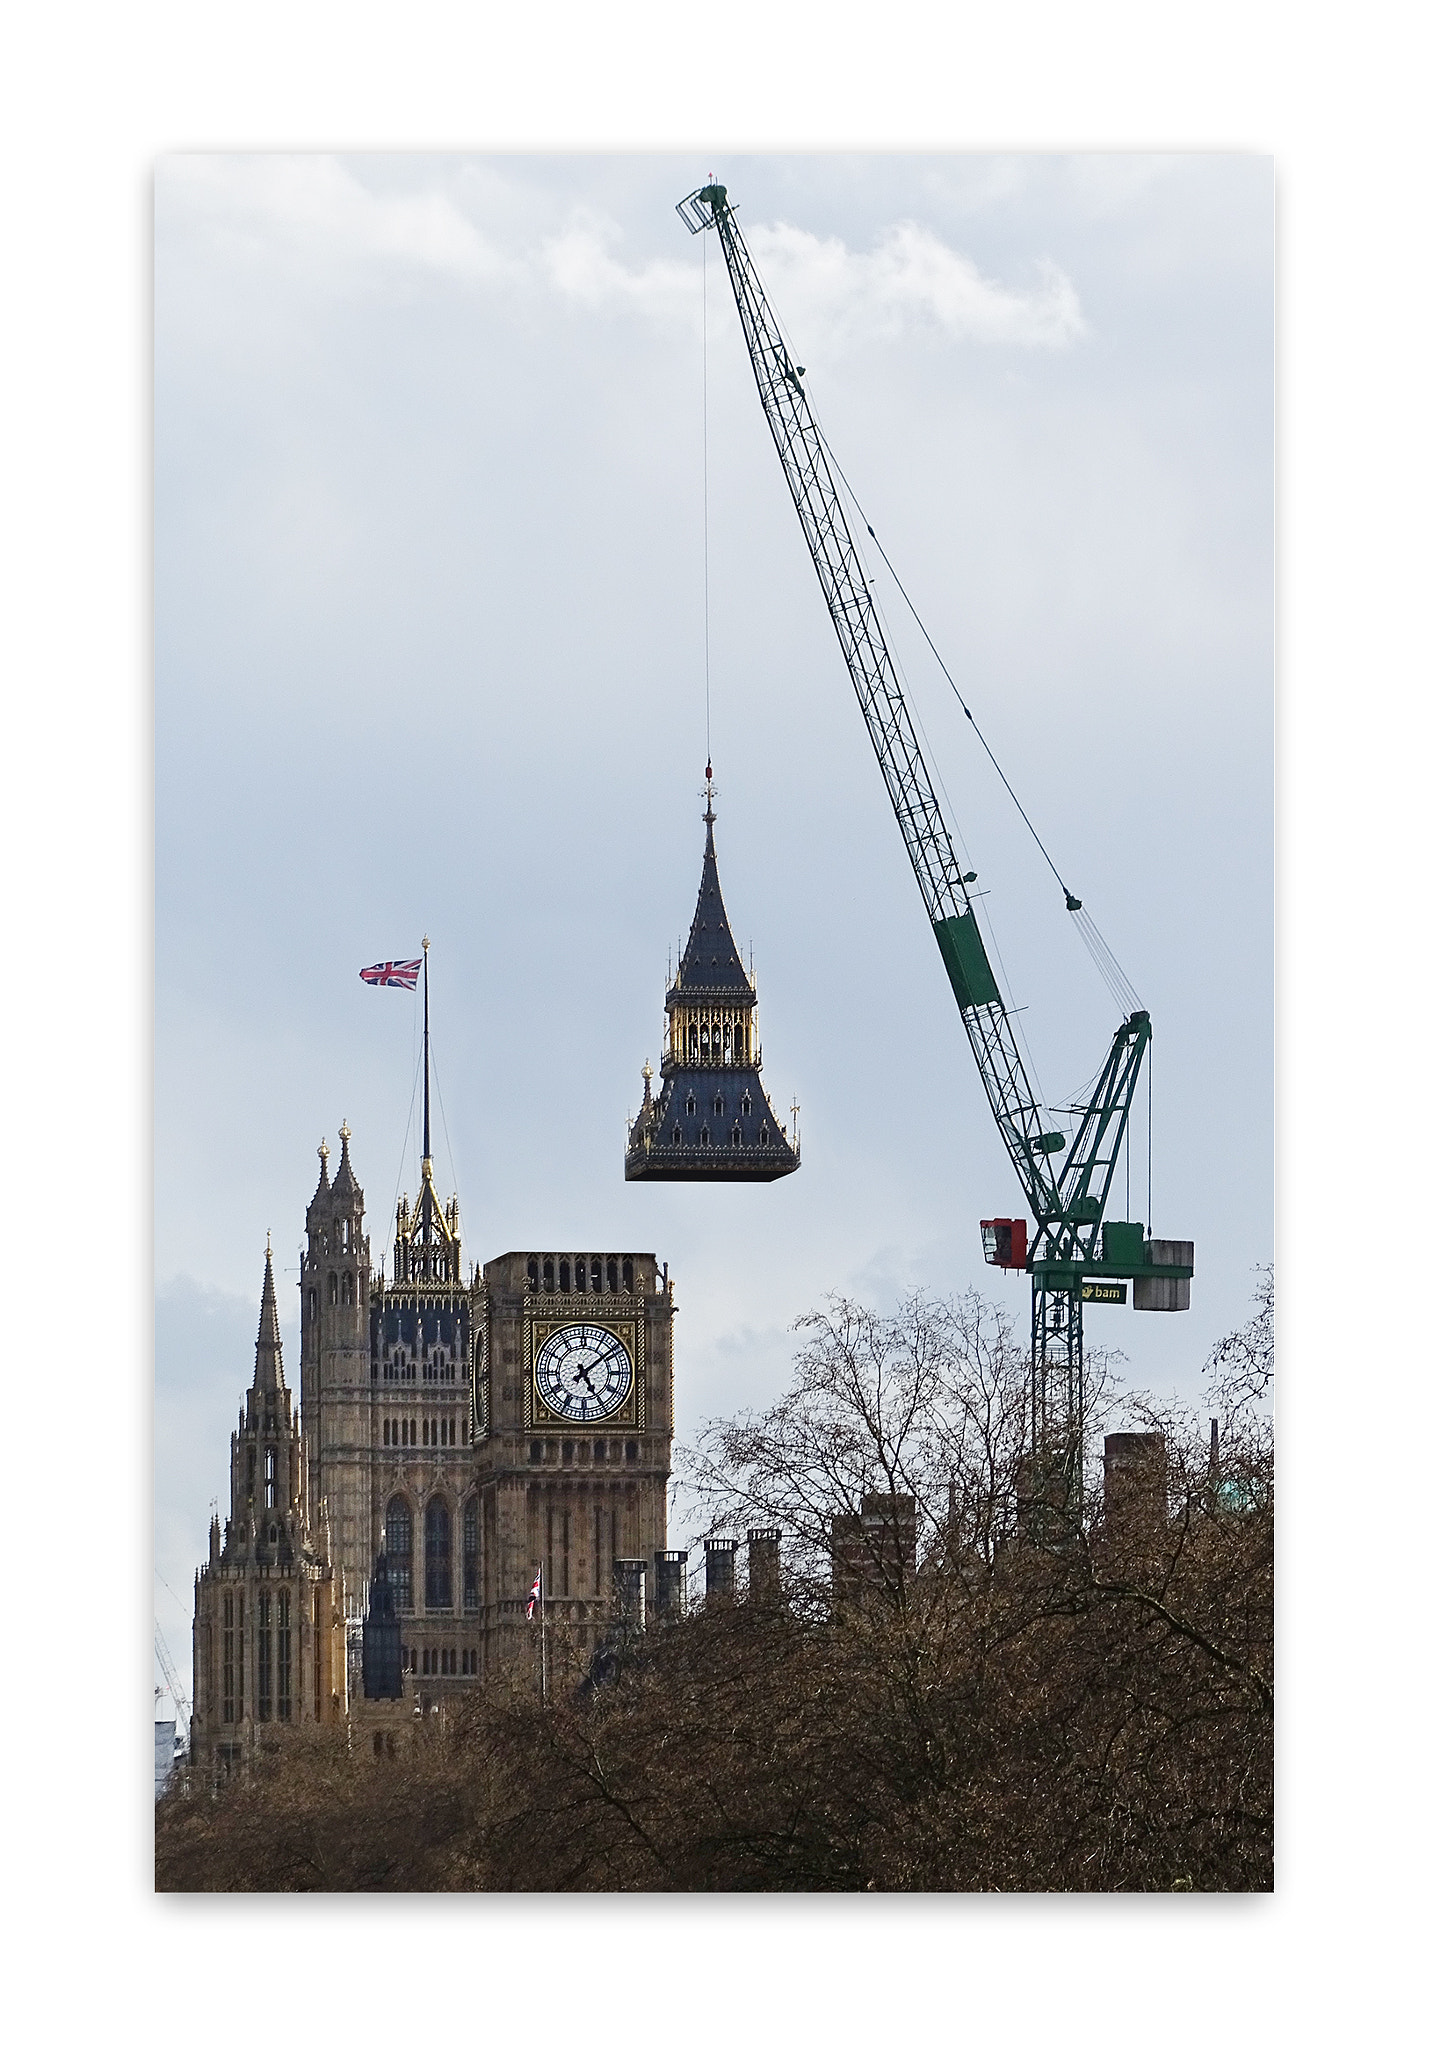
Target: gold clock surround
[631,1333]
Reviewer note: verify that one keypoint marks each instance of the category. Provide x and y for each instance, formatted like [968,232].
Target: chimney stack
[1134,1495]
[719,1571]
[630,1594]
[764,1566]
[670,1585]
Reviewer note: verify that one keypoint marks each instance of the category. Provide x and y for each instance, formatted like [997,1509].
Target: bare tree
[1089,1714]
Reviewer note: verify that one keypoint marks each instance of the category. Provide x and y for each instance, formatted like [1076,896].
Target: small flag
[535,1601]
[392,974]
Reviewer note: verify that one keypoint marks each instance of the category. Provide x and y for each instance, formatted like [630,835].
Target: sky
[95,102]
[445,451]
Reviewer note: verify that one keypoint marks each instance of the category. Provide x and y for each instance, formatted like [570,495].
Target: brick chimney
[719,1571]
[764,1566]
[1134,1486]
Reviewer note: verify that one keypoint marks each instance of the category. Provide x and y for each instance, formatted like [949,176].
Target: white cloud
[338,222]
[579,264]
[315,204]
[910,279]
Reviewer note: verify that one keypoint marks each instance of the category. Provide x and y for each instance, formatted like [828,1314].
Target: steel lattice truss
[1069,1203]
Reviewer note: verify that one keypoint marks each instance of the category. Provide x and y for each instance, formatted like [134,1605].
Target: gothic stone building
[471,1426]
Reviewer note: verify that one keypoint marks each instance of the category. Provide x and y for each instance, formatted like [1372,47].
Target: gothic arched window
[347,1289]
[565,1276]
[719,1105]
[333,1289]
[437,1548]
[399,1551]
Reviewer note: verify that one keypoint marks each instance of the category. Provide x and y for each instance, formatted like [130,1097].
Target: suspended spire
[712,1119]
[268,1352]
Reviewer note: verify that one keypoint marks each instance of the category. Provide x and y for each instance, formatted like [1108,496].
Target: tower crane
[171,1680]
[1074,1256]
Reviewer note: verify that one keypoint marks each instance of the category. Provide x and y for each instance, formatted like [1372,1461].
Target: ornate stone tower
[466,1430]
[712,1119]
[336,1380]
[268,1625]
[573,1422]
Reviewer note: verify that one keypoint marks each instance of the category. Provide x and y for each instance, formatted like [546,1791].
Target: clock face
[583,1373]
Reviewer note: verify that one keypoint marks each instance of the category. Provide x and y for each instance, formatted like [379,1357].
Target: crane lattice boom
[1068,1204]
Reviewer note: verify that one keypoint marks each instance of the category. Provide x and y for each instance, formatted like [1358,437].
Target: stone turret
[268,1642]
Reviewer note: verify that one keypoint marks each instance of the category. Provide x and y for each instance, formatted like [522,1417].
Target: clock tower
[572,1422]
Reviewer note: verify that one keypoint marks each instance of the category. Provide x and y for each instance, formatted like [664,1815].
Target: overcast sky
[430,656]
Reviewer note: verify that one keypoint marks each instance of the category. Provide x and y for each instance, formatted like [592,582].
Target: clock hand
[583,1372]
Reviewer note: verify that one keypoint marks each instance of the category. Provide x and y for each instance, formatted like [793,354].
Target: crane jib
[961,944]
[1069,1204]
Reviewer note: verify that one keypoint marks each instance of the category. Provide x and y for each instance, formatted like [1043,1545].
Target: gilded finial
[426,942]
[344,1133]
[323,1150]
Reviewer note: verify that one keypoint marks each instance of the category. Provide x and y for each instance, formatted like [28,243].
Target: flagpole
[426,1098]
[543,1631]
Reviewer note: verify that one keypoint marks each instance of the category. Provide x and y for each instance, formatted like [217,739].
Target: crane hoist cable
[1100,952]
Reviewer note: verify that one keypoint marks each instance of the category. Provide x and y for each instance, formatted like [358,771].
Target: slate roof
[717,1138]
[711,959]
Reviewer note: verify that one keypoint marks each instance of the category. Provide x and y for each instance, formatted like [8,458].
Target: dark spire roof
[268,1352]
[712,1119]
[711,958]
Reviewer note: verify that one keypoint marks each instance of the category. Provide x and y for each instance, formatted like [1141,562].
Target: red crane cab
[1005,1242]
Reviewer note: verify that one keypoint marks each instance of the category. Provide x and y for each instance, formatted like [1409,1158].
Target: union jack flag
[535,1601]
[392,974]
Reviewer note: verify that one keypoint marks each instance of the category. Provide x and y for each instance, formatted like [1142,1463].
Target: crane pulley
[1071,1250]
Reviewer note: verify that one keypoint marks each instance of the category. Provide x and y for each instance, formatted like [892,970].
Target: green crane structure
[1074,1256]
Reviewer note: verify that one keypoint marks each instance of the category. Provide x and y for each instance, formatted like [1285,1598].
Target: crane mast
[1068,1202]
